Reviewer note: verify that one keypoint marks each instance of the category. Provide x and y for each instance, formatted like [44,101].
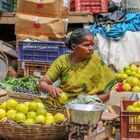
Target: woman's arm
[105,96]
[46,85]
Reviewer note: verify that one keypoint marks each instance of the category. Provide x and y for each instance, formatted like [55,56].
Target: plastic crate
[94,6]
[72,5]
[130,123]
[6,5]
[35,69]
[131,6]
[40,51]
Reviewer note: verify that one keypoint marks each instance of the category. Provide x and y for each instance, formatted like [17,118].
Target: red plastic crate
[72,5]
[94,6]
[130,123]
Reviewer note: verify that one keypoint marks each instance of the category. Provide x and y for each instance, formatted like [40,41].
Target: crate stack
[44,22]
[93,6]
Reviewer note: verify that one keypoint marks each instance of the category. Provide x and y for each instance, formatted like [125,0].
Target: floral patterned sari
[88,77]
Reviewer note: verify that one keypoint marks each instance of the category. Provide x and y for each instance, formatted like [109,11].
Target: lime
[40,119]
[31,115]
[26,103]
[50,119]
[20,117]
[41,111]
[3,105]
[29,121]
[59,117]
[33,106]
[48,114]
[40,105]
[138,103]
[130,108]
[11,113]
[63,98]
[2,113]
[22,108]
[11,104]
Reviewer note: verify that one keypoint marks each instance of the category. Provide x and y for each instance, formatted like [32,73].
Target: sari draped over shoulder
[87,77]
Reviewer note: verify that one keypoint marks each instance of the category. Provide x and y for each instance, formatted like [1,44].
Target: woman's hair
[76,37]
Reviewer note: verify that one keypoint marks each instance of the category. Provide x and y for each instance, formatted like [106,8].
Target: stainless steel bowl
[84,113]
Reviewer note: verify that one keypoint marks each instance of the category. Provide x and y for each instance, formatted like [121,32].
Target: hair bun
[67,40]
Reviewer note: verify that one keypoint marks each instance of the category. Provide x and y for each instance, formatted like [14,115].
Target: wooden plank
[74,17]
[7,18]
[80,17]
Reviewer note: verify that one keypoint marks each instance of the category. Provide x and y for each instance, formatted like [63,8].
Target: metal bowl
[84,113]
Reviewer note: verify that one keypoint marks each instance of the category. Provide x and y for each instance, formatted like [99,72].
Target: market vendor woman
[80,72]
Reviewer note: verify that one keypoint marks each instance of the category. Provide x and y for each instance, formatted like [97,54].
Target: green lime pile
[29,113]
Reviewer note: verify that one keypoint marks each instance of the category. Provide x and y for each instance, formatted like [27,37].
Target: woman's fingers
[55,92]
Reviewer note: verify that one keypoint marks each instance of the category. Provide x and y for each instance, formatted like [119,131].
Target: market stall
[40,29]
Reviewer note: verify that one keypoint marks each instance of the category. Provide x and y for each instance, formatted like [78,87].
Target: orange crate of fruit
[130,119]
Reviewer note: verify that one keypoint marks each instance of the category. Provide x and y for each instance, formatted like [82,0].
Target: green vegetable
[9,88]
[4,85]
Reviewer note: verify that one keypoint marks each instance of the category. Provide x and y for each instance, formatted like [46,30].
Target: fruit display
[29,113]
[23,84]
[134,119]
[128,79]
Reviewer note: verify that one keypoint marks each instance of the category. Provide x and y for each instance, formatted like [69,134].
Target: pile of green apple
[28,112]
[128,79]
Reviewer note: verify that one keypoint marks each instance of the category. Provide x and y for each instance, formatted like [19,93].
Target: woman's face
[86,48]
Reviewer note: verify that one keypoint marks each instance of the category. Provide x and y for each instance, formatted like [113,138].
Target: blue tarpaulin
[117,30]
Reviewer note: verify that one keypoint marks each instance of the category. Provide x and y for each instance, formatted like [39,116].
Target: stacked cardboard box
[46,18]
[40,20]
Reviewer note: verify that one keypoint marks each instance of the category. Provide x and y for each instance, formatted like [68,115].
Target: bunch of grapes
[24,90]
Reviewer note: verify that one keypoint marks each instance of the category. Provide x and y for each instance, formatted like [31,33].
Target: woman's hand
[54,91]
[46,85]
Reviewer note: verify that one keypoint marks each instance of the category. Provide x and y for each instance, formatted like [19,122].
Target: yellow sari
[88,77]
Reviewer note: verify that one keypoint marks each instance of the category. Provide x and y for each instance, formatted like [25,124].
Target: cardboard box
[116,97]
[45,8]
[40,26]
